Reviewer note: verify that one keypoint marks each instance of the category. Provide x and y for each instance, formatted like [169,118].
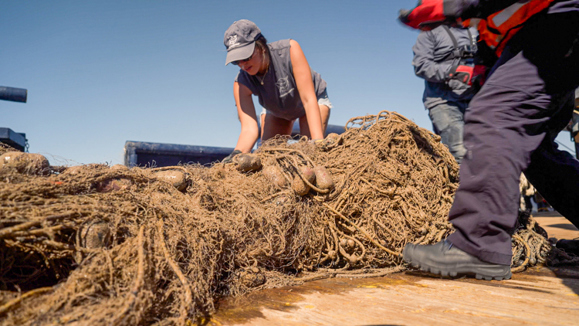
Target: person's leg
[555,173]
[448,122]
[276,126]
[506,122]
[325,106]
[558,183]
[485,208]
[325,115]
[524,103]
[262,121]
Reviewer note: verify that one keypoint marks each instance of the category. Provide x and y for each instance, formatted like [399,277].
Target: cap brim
[240,53]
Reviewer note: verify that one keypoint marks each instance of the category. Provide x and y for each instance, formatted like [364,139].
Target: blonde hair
[261,43]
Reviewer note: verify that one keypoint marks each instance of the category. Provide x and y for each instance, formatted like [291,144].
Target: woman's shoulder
[278,45]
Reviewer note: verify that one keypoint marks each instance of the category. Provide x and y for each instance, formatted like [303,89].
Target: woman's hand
[229,158]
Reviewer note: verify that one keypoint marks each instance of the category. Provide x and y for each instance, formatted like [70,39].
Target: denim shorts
[323,99]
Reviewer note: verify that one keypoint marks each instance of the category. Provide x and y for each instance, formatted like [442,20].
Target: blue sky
[100,73]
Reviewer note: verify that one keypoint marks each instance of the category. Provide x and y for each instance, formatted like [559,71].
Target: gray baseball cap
[240,40]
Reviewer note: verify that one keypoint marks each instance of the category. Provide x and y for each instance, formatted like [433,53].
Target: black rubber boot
[446,260]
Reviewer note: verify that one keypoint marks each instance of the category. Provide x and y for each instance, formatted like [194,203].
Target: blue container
[15,139]
[145,154]
[158,154]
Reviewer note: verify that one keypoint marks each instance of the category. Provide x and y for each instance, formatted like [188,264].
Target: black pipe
[13,94]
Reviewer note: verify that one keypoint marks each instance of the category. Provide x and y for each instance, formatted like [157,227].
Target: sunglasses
[236,63]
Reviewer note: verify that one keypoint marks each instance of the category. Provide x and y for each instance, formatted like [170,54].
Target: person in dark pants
[439,57]
[510,128]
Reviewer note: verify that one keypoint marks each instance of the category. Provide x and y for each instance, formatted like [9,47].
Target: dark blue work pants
[510,127]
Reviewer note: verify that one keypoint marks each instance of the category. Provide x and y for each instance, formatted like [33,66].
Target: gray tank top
[279,93]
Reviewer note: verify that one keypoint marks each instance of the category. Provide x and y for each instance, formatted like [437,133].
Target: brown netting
[6,148]
[99,245]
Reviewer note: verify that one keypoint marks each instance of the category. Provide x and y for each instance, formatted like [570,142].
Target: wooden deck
[539,296]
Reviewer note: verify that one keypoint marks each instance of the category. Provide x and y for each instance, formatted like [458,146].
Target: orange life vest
[497,29]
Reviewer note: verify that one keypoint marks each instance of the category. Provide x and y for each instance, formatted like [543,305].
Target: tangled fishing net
[100,245]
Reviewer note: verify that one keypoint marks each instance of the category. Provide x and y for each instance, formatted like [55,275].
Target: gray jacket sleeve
[424,62]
